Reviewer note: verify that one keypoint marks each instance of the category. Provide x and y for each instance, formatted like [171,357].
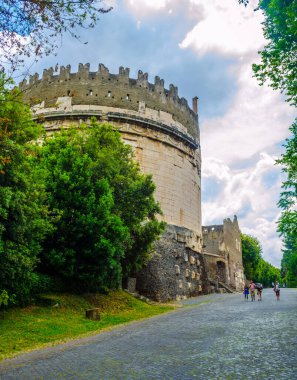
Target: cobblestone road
[211,337]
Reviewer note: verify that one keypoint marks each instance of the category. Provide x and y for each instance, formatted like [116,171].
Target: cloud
[227,29]
[256,120]
[144,9]
[251,194]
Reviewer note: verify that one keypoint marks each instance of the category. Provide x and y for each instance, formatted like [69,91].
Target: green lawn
[23,329]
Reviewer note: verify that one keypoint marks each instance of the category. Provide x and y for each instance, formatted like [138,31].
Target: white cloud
[250,193]
[143,7]
[148,8]
[227,28]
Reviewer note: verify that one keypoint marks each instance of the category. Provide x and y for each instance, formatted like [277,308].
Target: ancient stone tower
[163,131]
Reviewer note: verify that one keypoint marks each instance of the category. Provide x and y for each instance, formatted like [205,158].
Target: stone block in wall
[131,284]
[193,275]
[192,260]
[198,262]
[186,257]
[198,276]
[187,273]
[181,237]
[180,284]
[177,269]
[189,285]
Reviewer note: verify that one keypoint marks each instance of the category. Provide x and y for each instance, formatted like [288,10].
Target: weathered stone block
[192,260]
[131,284]
[93,314]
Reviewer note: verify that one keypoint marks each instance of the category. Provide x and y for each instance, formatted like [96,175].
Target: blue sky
[206,48]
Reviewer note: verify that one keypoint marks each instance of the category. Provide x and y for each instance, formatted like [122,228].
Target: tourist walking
[259,291]
[277,290]
[252,289]
[246,292]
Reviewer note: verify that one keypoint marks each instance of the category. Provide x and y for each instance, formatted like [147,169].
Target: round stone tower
[161,128]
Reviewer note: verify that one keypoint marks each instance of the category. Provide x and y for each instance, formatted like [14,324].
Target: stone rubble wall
[222,244]
[175,271]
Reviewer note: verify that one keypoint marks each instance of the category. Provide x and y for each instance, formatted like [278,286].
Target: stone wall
[222,252]
[175,271]
[105,89]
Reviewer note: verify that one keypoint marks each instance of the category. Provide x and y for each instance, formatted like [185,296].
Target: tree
[107,211]
[251,255]
[255,267]
[278,67]
[287,224]
[289,261]
[24,220]
[278,64]
[30,27]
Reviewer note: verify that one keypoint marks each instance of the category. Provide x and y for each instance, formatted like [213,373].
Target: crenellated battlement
[106,89]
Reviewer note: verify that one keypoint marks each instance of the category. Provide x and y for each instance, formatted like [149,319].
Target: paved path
[211,337]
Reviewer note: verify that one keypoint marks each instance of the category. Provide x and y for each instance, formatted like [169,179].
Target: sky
[206,48]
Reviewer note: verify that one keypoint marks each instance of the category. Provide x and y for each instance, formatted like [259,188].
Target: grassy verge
[24,329]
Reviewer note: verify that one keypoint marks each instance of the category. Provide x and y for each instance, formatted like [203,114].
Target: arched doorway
[221,271]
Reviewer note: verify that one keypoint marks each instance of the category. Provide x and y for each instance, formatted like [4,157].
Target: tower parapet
[106,89]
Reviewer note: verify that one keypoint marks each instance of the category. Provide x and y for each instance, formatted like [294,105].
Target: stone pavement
[218,336]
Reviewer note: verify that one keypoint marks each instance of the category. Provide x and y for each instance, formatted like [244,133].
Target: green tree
[251,255]
[287,224]
[30,27]
[278,64]
[107,211]
[289,262]
[255,267]
[23,217]
[278,67]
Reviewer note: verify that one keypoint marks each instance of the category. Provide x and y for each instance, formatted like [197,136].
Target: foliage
[251,255]
[28,328]
[106,206]
[29,27]
[287,224]
[278,64]
[23,217]
[289,261]
[279,68]
[255,267]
